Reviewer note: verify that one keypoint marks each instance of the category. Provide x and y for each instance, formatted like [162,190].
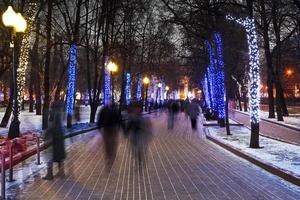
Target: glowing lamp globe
[146,80]
[112,67]
[20,23]
[9,17]
[289,72]
[159,85]
[167,88]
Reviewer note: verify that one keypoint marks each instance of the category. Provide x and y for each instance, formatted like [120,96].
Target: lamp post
[112,67]
[17,23]
[146,82]
[159,85]
[167,93]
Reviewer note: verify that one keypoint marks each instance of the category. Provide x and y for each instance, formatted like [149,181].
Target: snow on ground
[279,154]
[31,121]
[293,120]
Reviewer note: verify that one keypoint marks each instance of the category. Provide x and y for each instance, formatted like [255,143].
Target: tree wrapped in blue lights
[211,71]
[139,89]
[71,84]
[128,88]
[213,83]
[107,84]
[220,94]
[162,92]
[205,88]
[249,25]
[152,85]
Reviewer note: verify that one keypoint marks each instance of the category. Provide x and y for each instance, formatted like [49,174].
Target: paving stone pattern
[181,164]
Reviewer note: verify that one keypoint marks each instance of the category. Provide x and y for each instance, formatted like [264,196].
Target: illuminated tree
[249,25]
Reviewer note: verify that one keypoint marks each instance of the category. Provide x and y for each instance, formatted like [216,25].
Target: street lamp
[167,89]
[17,23]
[159,85]
[289,72]
[146,82]
[112,67]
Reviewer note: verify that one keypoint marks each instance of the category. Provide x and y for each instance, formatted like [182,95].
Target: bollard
[3,175]
[38,149]
[11,171]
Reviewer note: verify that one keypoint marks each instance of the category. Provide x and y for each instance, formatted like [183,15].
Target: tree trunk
[123,83]
[88,64]
[285,111]
[227,116]
[74,43]
[9,107]
[23,104]
[38,96]
[31,92]
[61,77]
[47,67]
[270,80]
[94,107]
[279,89]
[239,101]
[35,70]
[5,93]
[278,101]
[245,102]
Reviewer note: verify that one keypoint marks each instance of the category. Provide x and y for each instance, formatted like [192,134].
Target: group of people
[191,109]
[136,128]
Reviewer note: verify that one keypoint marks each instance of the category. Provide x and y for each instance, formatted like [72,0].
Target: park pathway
[269,129]
[181,164]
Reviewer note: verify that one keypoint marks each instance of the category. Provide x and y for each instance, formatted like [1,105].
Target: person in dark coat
[110,121]
[140,133]
[193,111]
[174,108]
[55,136]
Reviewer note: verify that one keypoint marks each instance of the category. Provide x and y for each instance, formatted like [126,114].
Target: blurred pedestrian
[193,112]
[55,136]
[109,122]
[186,104]
[140,133]
[174,108]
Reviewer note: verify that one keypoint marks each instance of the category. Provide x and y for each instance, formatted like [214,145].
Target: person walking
[139,130]
[193,112]
[109,123]
[55,136]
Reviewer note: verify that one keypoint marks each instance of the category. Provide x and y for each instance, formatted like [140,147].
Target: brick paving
[269,129]
[181,164]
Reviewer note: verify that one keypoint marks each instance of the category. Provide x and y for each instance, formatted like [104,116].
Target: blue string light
[128,88]
[139,89]
[152,87]
[205,88]
[212,76]
[162,92]
[107,85]
[71,83]
[220,76]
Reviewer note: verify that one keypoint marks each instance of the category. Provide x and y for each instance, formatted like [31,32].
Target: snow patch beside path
[279,154]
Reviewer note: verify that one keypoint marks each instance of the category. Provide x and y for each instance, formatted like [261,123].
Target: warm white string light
[24,52]
[249,25]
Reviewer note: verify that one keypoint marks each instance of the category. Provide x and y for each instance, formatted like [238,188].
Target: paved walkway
[181,165]
[269,129]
